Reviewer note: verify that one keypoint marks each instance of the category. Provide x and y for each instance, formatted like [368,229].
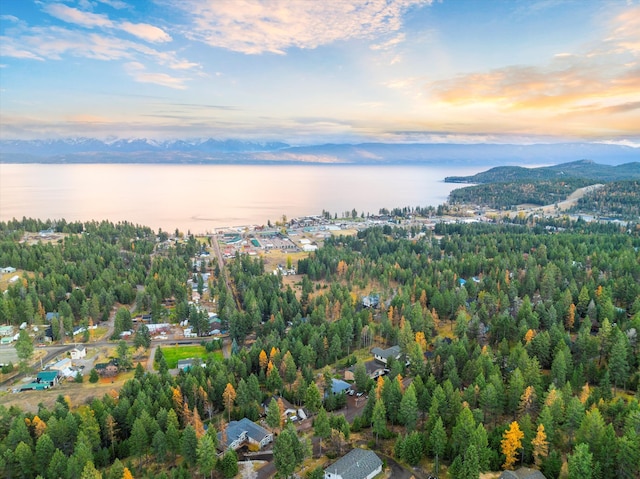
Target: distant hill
[583,169]
[211,151]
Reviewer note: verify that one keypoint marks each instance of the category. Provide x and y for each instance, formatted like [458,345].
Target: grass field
[173,354]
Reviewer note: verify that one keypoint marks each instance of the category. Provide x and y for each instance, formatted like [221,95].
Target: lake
[199,198]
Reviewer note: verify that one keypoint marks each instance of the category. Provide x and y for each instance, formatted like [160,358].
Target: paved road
[52,352]
[216,249]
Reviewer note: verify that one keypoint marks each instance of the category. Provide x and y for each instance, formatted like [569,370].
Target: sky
[315,71]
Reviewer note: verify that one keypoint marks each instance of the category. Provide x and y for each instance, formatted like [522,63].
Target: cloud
[117,4]
[139,73]
[78,17]
[603,78]
[259,26]
[55,42]
[9,18]
[394,41]
[144,31]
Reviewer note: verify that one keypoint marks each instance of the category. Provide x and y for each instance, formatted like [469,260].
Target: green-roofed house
[357,464]
[44,380]
[48,377]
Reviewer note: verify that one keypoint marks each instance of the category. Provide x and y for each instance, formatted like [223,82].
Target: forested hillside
[585,169]
[505,187]
[519,346]
[620,199]
[507,195]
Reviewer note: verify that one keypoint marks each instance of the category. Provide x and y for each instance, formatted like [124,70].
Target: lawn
[173,354]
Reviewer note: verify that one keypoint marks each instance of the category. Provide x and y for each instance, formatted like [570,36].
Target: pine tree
[379,419]
[618,361]
[438,442]
[580,463]
[409,408]
[511,444]
[189,445]
[312,398]
[206,454]
[321,426]
[139,439]
[273,414]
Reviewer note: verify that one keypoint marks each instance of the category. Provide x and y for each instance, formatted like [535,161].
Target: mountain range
[214,151]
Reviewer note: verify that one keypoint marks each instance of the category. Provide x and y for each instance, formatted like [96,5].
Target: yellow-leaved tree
[540,446]
[229,396]
[263,359]
[511,443]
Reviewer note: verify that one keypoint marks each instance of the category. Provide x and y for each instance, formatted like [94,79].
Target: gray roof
[253,430]
[522,473]
[358,464]
[338,385]
[385,353]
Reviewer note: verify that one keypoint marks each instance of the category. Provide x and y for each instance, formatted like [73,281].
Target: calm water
[200,198]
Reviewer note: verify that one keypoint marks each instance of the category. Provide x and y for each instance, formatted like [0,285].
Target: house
[373,368]
[243,432]
[522,473]
[51,316]
[8,270]
[338,386]
[107,369]
[78,352]
[357,464]
[68,373]
[383,355]
[371,301]
[60,365]
[48,377]
[6,331]
[185,364]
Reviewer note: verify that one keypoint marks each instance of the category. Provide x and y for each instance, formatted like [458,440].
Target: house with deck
[244,432]
[383,355]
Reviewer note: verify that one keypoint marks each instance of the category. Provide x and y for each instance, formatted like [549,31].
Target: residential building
[48,377]
[78,352]
[6,331]
[338,386]
[244,431]
[371,301]
[357,464]
[373,368]
[185,364]
[383,355]
[107,369]
[522,473]
[60,365]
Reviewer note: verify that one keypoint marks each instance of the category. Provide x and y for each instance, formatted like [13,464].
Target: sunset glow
[308,72]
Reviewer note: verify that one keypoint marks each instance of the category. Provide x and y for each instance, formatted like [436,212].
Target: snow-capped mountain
[67,146]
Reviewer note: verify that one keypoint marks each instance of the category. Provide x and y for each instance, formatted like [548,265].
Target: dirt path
[561,206]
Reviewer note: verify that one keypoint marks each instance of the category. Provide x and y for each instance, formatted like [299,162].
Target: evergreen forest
[519,346]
